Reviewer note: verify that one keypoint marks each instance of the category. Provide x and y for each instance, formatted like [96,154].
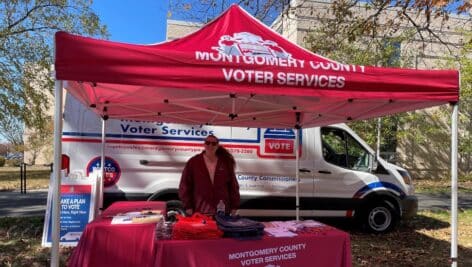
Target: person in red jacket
[209,177]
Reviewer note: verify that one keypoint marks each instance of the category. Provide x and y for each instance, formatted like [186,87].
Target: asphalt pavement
[442,201]
[33,203]
[15,204]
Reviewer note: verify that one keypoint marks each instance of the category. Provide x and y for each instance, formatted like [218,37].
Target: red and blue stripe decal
[379,185]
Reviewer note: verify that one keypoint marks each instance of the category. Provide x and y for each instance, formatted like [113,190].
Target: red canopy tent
[235,71]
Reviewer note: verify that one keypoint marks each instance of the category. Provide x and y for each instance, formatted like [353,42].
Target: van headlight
[406,176]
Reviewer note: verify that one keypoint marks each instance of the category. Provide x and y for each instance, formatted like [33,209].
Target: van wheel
[174,207]
[379,217]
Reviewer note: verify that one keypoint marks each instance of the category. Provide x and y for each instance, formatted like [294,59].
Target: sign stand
[77,208]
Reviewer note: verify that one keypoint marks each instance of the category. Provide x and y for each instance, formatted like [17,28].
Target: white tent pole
[454,152]
[297,164]
[56,196]
[379,125]
[297,172]
[102,170]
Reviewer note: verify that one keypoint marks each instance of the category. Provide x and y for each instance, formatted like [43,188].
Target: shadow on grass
[20,243]
[420,241]
[419,222]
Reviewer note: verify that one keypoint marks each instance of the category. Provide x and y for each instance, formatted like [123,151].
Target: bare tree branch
[28,14]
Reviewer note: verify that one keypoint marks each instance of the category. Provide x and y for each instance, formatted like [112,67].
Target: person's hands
[189,212]
[234,212]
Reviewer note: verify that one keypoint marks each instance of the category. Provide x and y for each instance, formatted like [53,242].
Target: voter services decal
[112,170]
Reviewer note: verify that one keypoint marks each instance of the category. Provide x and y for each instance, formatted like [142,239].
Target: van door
[342,168]
[306,174]
[267,182]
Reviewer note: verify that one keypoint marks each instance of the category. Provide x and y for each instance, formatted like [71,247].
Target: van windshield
[341,149]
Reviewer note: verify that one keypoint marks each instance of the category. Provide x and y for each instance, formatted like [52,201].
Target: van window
[341,149]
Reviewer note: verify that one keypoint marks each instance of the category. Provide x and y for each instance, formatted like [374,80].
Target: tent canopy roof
[236,71]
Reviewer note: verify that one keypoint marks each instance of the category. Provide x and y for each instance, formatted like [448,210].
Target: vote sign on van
[279,146]
[279,141]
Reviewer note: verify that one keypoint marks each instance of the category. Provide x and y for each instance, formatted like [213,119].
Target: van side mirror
[374,164]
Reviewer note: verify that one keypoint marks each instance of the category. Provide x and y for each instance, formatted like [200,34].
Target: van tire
[379,217]
[173,208]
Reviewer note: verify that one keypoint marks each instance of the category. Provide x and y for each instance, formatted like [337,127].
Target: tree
[377,47]
[390,17]
[5,148]
[465,107]
[205,10]
[26,53]
[423,16]
[366,35]
[11,129]
[38,142]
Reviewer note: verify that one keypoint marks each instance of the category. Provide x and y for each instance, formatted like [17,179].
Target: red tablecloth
[104,244]
[127,206]
[329,247]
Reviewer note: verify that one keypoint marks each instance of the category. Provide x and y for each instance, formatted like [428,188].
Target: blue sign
[75,213]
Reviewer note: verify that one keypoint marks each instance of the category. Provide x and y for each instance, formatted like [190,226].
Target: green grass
[422,241]
[37,177]
[442,186]
[20,243]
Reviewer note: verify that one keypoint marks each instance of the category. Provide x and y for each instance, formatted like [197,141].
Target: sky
[133,21]
[144,21]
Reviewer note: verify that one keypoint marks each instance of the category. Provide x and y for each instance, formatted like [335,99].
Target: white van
[339,175]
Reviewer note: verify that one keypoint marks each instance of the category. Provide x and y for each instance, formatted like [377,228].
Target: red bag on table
[198,226]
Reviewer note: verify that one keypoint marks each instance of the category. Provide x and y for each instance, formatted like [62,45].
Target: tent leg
[297,173]
[379,127]
[454,151]
[101,177]
[56,196]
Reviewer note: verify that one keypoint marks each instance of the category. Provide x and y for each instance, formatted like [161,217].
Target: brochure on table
[76,209]
[136,217]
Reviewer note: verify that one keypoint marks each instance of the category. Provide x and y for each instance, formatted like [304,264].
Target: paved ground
[442,201]
[14,204]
